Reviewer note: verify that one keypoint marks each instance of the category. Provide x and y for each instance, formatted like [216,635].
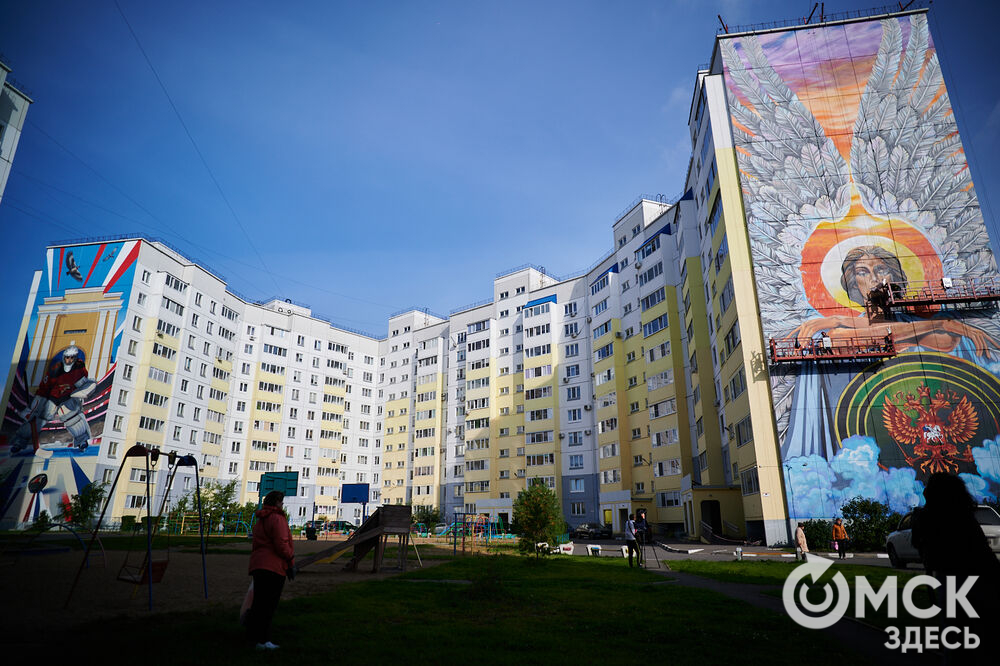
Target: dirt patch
[35,588]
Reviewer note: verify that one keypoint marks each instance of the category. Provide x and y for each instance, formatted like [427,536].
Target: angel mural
[878,192]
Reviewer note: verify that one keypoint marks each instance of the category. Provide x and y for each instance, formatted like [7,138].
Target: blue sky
[386,154]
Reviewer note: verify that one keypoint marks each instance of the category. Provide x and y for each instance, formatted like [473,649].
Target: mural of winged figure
[824,231]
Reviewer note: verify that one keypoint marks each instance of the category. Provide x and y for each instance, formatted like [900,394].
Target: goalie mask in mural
[854,176]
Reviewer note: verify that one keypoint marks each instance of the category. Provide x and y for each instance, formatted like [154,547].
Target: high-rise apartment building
[13,109]
[812,321]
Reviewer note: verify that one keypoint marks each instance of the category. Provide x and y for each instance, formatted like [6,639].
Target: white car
[899,544]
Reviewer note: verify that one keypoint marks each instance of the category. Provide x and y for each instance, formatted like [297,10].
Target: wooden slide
[374,533]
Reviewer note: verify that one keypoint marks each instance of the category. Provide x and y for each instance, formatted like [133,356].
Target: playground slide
[386,521]
[367,532]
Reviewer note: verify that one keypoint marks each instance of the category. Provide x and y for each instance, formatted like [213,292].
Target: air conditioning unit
[587,407]
[253,338]
[562,435]
[565,380]
[586,432]
[589,319]
[574,334]
[618,334]
[638,264]
[159,335]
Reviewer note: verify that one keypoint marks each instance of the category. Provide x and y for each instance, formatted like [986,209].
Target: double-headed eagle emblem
[933,426]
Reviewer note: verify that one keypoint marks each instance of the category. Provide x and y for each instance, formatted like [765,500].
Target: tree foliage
[83,508]
[218,502]
[538,517]
[428,515]
[868,523]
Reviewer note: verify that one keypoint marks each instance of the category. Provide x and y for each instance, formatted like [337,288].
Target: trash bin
[311,533]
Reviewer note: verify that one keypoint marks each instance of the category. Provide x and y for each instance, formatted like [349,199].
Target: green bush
[868,523]
[819,533]
[128,524]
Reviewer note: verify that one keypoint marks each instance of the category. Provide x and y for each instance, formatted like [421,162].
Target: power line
[194,143]
[164,228]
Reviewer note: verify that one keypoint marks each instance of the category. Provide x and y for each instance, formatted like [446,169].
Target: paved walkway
[866,640]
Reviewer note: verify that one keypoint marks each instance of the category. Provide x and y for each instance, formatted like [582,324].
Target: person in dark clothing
[951,544]
[271,559]
[641,534]
[630,542]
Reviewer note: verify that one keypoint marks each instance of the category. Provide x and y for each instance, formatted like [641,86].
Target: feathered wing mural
[880,190]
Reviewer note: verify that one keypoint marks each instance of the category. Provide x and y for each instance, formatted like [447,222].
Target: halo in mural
[926,410]
[831,243]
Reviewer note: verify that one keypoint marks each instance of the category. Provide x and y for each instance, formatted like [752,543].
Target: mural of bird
[918,421]
[72,269]
[110,254]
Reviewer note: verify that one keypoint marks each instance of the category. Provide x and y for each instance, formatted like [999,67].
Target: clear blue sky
[381,154]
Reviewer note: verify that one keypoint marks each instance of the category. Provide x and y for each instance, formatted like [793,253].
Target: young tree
[537,513]
[82,509]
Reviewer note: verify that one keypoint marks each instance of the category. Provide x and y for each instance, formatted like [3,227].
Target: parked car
[591,531]
[899,544]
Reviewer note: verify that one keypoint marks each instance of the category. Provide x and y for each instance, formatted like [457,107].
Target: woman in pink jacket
[271,559]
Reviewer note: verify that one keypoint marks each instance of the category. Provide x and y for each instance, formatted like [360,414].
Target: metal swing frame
[150,571]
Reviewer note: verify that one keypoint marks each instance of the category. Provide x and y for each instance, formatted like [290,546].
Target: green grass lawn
[512,610]
[773,574]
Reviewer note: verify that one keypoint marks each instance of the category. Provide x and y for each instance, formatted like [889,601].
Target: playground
[37,584]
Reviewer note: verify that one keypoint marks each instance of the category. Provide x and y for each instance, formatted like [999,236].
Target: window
[652,299]
[749,481]
[737,384]
[599,285]
[726,297]
[601,307]
[576,485]
[576,461]
[569,310]
[573,393]
[668,498]
[744,432]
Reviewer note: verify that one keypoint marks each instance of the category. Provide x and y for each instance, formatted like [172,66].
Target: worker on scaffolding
[827,343]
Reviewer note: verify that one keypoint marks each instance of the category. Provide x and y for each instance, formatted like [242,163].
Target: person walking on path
[630,542]
[800,539]
[271,559]
[840,537]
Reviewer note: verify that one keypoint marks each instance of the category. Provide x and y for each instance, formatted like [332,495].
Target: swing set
[152,567]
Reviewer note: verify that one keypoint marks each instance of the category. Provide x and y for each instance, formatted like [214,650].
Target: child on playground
[271,559]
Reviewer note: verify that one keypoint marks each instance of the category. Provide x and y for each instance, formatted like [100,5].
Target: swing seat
[140,575]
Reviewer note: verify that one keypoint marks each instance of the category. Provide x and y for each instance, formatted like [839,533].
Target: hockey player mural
[64,368]
[60,396]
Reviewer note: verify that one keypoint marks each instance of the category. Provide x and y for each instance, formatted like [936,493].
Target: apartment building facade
[13,110]
[177,362]
[825,162]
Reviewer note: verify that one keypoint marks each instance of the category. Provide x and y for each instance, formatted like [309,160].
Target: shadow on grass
[564,609]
